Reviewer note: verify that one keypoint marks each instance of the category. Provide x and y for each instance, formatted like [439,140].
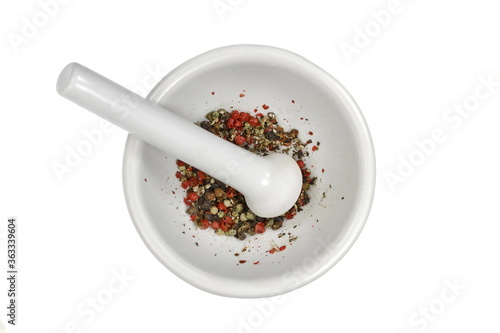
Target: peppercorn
[193,210]
[219,192]
[211,203]
[210,195]
[208,216]
[192,196]
[271,135]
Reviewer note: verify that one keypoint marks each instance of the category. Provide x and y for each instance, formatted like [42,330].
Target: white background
[437,226]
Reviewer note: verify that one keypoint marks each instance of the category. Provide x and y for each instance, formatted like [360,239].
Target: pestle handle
[270,184]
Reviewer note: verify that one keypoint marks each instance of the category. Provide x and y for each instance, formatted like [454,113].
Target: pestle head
[279,188]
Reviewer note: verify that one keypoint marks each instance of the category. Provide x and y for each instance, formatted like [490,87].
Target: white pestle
[271,184]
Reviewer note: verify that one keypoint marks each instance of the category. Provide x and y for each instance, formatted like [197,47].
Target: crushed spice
[213,204]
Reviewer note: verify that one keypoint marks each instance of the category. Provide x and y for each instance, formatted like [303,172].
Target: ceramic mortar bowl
[302,96]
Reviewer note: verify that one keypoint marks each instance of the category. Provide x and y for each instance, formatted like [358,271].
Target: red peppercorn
[228,220]
[230,123]
[272,250]
[301,164]
[239,140]
[314,148]
[260,228]
[193,217]
[259,115]
[231,192]
[224,226]
[238,124]
[265,107]
[178,175]
[254,122]
[193,181]
[185,184]
[192,196]
[283,248]
[204,224]
[180,163]
[201,175]
[215,225]
[235,114]
[244,116]
[221,206]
